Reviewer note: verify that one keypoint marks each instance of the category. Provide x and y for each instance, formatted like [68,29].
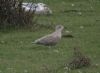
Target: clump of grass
[79,60]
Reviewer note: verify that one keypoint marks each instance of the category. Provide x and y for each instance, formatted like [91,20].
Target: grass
[18,55]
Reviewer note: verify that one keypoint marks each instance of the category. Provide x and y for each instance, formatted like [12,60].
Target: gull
[37,8]
[51,39]
[29,6]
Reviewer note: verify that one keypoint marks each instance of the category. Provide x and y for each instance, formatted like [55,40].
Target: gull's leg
[54,47]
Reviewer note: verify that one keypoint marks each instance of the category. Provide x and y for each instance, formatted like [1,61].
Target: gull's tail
[34,42]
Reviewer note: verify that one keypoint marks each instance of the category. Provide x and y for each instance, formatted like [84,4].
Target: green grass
[18,55]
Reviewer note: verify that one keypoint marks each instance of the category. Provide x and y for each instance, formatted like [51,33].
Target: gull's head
[59,27]
[41,4]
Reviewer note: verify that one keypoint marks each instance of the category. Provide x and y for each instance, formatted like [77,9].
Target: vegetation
[13,15]
[19,55]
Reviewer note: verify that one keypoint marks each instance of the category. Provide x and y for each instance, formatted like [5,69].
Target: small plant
[79,60]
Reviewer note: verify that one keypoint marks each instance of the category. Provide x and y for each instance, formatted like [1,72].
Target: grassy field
[19,55]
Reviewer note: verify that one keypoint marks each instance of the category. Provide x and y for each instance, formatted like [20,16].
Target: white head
[40,7]
[41,4]
[43,9]
[59,28]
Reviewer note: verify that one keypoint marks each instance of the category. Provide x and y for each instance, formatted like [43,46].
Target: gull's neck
[57,33]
